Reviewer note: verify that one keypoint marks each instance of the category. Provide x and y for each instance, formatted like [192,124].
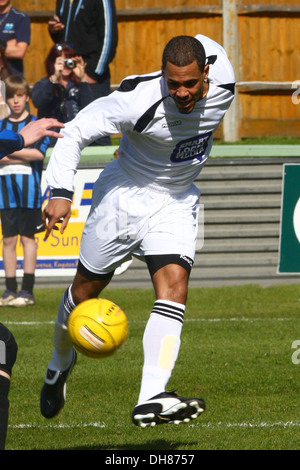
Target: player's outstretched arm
[35,130]
[57,211]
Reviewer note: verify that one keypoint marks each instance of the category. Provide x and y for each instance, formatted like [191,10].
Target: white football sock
[62,353]
[161,343]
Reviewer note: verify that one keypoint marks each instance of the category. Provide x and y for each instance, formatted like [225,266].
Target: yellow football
[97,327]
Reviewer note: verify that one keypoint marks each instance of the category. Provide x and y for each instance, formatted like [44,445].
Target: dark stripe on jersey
[25,191]
[4,192]
[147,117]
[130,84]
[15,189]
[21,199]
[228,86]
[211,59]
[37,193]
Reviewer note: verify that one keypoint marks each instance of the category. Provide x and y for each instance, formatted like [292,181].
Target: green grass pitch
[236,352]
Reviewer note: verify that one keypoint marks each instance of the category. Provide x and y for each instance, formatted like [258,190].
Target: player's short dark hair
[183,50]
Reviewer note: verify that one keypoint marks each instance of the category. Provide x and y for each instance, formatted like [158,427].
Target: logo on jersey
[171,124]
[191,148]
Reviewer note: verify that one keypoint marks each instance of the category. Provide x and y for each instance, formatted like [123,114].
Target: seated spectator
[65,91]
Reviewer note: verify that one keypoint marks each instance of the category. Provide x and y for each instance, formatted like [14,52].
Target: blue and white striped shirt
[20,185]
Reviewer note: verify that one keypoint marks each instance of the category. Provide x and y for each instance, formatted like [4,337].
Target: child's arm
[22,156]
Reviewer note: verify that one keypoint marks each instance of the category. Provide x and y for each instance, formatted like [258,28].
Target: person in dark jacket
[65,90]
[90,26]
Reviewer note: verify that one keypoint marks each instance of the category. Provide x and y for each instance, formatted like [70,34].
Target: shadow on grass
[158,444]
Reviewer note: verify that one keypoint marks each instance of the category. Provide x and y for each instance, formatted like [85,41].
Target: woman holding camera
[65,91]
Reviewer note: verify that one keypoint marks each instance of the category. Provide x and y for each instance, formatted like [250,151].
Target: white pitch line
[237,319]
[263,424]
[280,424]
[56,426]
[243,319]
[209,320]
[28,323]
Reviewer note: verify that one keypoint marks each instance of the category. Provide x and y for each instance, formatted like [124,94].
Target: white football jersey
[160,147]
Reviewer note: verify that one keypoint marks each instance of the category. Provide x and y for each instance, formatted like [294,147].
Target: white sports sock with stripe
[161,343]
[62,354]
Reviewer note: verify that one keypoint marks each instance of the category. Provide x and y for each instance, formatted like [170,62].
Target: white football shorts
[126,219]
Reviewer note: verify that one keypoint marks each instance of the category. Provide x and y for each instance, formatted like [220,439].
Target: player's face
[186,85]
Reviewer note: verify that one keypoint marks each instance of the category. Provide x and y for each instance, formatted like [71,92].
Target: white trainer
[167,407]
[23,299]
[7,297]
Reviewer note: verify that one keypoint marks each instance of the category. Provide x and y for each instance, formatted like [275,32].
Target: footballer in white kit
[145,202]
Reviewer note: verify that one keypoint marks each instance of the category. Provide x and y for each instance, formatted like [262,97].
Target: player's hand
[35,130]
[57,211]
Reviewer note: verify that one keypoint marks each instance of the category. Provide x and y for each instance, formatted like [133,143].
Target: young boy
[20,197]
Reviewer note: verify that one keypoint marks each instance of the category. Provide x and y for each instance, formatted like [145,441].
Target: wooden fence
[262,40]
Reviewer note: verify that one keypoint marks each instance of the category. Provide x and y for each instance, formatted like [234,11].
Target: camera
[70,63]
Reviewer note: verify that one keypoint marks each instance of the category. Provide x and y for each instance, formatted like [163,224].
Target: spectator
[20,197]
[65,90]
[4,73]
[91,27]
[14,35]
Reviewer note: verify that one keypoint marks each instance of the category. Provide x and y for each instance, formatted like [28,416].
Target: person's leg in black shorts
[8,355]
[25,223]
